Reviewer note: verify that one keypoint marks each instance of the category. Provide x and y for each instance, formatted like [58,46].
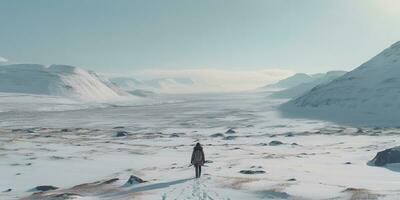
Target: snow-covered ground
[70,147]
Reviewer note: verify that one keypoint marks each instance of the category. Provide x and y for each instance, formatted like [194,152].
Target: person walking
[198,159]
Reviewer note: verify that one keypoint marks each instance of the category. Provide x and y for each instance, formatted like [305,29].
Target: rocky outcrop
[387,156]
[121,134]
[275,143]
[44,188]
[230,131]
[134,180]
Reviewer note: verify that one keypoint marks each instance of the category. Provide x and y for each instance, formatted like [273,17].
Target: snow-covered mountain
[317,79]
[127,83]
[57,80]
[373,88]
[291,81]
[3,60]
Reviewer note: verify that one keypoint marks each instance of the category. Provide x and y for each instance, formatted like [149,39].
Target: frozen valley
[90,153]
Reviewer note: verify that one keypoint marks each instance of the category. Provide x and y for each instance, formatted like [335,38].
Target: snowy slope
[298,90]
[127,83]
[292,81]
[56,80]
[372,89]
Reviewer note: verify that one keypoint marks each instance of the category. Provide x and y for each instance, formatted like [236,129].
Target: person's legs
[199,171]
[196,168]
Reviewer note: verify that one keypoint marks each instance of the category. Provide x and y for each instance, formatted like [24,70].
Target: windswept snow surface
[15,102]
[316,159]
[369,94]
[56,80]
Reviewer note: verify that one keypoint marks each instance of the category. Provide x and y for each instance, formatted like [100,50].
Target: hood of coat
[198,147]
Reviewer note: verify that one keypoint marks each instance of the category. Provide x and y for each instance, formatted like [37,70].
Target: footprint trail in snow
[194,189]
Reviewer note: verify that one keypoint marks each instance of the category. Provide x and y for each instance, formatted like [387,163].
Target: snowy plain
[70,147]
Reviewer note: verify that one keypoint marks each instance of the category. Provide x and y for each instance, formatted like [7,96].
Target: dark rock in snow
[217,135]
[66,196]
[121,134]
[174,135]
[295,144]
[29,131]
[289,135]
[347,163]
[8,190]
[64,130]
[230,137]
[44,188]
[275,143]
[252,172]
[134,180]
[387,156]
[230,131]
[292,179]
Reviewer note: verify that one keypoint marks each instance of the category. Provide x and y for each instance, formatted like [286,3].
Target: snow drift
[370,92]
[56,80]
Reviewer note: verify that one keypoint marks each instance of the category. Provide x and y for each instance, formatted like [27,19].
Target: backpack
[198,157]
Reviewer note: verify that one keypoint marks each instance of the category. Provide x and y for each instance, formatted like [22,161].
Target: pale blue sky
[125,35]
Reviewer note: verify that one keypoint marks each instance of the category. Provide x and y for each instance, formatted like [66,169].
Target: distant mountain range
[305,83]
[292,81]
[372,90]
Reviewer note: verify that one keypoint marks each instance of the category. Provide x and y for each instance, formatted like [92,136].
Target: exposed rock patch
[252,171]
[231,137]
[44,188]
[121,134]
[387,156]
[275,143]
[230,131]
[134,180]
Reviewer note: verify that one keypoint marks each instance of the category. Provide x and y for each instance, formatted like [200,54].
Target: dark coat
[198,149]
